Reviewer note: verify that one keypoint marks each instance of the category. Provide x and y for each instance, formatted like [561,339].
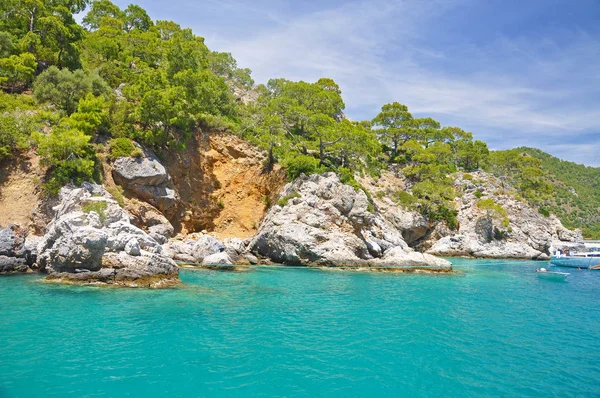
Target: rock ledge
[91,240]
[319,221]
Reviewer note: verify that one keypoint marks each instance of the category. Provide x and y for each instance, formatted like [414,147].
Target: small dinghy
[556,276]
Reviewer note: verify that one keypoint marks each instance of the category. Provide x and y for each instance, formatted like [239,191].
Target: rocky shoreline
[319,221]
[520,232]
[316,221]
[17,250]
[90,240]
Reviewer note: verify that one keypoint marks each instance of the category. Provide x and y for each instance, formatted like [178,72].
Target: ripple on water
[495,330]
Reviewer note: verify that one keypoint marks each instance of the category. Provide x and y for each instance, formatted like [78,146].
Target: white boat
[588,260]
[543,273]
[592,245]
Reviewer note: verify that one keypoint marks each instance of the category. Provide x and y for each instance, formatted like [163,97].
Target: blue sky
[513,72]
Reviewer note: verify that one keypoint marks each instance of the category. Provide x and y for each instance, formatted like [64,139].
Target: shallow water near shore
[494,329]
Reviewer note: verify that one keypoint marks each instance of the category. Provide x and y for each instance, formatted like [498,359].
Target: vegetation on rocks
[117,193]
[121,147]
[97,207]
[494,210]
[284,201]
[69,155]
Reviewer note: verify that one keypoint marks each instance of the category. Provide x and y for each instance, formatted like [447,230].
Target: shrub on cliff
[494,210]
[69,155]
[15,130]
[301,164]
[284,201]
[91,116]
[97,207]
[435,201]
[121,148]
[16,71]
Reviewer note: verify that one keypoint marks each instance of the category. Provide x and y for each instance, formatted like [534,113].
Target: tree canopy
[45,29]
[300,118]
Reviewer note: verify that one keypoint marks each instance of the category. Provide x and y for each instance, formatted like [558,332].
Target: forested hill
[80,95]
[576,192]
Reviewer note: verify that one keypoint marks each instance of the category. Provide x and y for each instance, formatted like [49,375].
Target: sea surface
[493,330]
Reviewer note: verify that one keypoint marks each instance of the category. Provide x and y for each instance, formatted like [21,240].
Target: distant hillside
[576,196]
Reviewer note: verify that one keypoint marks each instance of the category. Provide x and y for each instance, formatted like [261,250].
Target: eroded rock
[221,258]
[147,179]
[523,234]
[90,240]
[321,221]
[194,248]
[11,241]
[16,252]
[148,218]
[10,265]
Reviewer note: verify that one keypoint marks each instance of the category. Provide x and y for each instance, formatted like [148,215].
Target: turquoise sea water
[495,330]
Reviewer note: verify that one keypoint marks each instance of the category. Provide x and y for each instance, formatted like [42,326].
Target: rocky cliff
[511,229]
[17,250]
[147,179]
[215,197]
[320,221]
[217,184]
[522,232]
[91,240]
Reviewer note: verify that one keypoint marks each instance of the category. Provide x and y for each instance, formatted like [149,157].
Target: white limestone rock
[147,179]
[528,235]
[328,223]
[221,258]
[99,245]
[193,249]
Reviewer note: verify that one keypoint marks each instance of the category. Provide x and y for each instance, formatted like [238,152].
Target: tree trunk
[321,151]
[31,21]
[270,159]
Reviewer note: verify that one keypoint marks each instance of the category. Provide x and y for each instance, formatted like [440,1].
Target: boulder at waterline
[221,258]
[17,250]
[10,265]
[11,241]
[193,248]
[90,240]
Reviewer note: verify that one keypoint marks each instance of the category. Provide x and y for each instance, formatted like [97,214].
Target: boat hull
[575,262]
[555,276]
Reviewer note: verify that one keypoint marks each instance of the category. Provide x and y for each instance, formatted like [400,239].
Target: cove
[493,329]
